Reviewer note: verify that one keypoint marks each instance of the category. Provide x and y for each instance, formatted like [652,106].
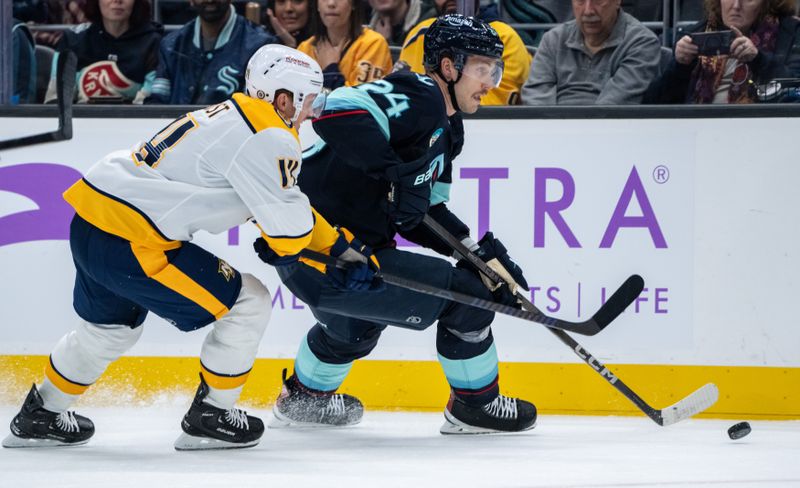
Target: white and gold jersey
[211,169]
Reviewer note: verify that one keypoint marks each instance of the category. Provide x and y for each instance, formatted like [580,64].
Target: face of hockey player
[596,18]
[211,10]
[335,13]
[741,14]
[116,10]
[480,74]
[292,14]
[312,107]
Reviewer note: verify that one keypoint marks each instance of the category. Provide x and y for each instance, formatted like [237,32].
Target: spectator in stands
[289,20]
[393,19]
[766,46]
[116,50]
[67,12]
[348,52]
[24,64]
[604,56]
[516,58]
[204,61]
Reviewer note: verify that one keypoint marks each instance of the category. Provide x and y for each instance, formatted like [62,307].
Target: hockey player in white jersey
[211,169]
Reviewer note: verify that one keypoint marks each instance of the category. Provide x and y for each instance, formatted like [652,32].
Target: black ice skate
[502,415]
[298,406]
[208,427]
[36,427]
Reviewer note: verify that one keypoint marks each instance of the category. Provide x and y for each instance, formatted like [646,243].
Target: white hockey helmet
[274,67]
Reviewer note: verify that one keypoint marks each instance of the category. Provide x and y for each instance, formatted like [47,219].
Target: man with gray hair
[603,56]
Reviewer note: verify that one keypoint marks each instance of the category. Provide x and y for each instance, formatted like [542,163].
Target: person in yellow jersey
[516,59]
[137,210]
[349,53]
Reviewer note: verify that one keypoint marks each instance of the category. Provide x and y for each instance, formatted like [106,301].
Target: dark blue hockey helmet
[456,37]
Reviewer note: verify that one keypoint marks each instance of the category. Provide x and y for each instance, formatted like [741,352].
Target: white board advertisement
[579,204]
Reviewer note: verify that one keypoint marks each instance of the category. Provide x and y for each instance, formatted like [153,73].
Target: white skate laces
[237,418]
[502,407]
[335,406]
[67,422]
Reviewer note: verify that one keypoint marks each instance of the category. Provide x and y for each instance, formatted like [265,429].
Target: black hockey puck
[739,430]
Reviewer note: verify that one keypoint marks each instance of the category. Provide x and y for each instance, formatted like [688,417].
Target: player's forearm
[424,237]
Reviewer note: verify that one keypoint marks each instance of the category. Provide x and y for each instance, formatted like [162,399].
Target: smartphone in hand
[712,43]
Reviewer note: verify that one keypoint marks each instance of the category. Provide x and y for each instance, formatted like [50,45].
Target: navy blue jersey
[367,129]
[187,74]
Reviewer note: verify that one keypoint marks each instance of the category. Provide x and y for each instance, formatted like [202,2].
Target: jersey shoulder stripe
[347,98]
[260,115]
[116,216]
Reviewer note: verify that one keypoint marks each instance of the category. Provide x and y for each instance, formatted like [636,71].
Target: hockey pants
[349,324]
[117,283]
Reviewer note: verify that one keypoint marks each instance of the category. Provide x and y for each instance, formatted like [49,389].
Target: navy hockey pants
[349,324]
[113,285]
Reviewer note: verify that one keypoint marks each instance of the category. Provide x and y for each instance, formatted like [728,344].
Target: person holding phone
[742,44]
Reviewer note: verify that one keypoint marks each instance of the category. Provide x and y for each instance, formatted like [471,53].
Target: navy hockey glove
[494,254]
[269,256]
[359,275]
[409,193]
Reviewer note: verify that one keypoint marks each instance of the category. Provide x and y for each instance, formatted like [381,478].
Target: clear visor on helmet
[312,107]
[489,71]
[318,105]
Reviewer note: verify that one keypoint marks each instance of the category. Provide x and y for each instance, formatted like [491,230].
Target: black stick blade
[619,301]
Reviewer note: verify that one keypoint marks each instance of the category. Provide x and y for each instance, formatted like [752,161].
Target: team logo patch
[226,270]
[435,136]
[227,76]
[103,79]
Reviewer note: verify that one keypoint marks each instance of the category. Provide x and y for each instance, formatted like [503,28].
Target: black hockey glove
[359,275]
[266,254]
[494,254]
[409,193]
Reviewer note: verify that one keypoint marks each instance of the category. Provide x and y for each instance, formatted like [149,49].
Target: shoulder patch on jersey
[436,134]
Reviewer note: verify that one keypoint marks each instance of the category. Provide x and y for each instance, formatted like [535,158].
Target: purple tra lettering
[543,208]
[43,183]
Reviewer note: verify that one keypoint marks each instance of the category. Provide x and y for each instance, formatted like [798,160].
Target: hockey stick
[419,287]
[65,86]
[619,301]
[696,402]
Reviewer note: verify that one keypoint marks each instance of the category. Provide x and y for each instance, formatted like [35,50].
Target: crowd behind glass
[595,51]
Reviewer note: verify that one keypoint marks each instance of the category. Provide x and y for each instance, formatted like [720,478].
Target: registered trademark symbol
[661,174]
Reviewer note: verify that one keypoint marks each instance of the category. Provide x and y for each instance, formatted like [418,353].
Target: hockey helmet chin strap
[451,89]
[451,85]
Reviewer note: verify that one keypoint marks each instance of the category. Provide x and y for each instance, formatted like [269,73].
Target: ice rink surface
[132,448]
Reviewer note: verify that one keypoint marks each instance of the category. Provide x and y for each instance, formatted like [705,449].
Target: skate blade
[280,421]
[453,426]
[186,442]
[13,442]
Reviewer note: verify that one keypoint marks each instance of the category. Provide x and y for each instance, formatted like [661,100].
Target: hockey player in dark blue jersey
[398,137]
